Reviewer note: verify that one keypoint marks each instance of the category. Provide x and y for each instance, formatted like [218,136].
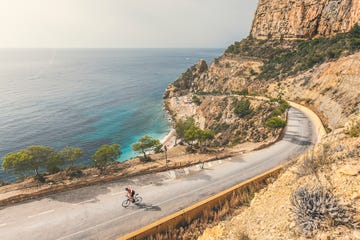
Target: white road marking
[140,210]
[42,213]
[87,201]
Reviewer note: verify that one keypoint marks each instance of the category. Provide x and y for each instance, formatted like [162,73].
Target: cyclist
[130,193]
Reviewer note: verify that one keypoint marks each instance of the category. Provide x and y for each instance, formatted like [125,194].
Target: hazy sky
[124,23]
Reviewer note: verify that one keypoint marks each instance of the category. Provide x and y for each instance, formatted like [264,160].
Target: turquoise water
[87,97]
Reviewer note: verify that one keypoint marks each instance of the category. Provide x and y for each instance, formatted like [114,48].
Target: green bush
[196,100]
[275,122]
[243,108]
[221,128]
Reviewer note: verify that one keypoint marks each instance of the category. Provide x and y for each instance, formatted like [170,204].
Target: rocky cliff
[304,18]
[319,69]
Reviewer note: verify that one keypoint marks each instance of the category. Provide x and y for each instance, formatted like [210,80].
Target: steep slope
[331,89]
[308,52]
[304,19]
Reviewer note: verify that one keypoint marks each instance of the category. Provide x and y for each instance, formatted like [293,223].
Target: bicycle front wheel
[126,203]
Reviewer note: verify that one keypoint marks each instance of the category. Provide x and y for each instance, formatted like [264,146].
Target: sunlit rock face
[304,18]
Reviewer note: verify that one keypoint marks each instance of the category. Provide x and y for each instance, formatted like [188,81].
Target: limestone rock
[349,170]
[304,18]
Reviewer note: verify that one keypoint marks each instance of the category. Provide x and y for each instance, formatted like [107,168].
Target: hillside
[307,52]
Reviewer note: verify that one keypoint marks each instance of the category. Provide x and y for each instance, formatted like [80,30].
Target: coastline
[170,139]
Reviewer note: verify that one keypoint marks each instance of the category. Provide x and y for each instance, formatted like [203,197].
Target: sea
[87,97]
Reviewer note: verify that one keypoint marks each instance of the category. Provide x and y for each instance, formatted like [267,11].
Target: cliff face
[333,89]
[321,73]
[224,75]
[216,113]
[304,18]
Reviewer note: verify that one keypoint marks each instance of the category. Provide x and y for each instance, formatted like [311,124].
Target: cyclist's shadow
[147,207]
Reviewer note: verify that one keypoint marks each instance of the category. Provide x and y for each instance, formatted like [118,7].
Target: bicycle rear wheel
[138,199]
[126,203]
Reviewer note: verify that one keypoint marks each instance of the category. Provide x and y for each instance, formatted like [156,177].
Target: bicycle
[127,202]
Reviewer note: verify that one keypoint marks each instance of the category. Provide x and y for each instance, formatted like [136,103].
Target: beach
[169,140]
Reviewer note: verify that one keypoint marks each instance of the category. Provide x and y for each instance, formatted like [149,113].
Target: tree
[18,161]
[192,134]
[197,134]
[205,135]
[275,122]
[146,143]
[106,154]
[71,154]
[182,125]
[31,158]
[43,157]
[55,161]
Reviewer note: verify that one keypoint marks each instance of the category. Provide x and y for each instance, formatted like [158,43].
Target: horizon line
[112,47]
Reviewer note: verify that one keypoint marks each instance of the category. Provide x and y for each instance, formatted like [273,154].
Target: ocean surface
[86,97]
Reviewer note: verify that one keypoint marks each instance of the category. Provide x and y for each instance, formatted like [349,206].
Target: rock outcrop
[332,89]
[304,18]
[216,113]
[321,73]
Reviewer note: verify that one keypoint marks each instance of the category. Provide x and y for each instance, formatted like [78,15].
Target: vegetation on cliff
[231,119]
[283,58]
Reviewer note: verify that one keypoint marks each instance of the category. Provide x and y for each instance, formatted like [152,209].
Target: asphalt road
[95,212]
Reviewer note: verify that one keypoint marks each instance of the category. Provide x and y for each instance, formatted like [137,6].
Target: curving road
[95,212]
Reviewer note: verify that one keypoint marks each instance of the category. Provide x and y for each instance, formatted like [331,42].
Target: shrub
[354,130]
[221,128]
[74,171]
[242,108]
[196,100]
[275,122]
[40,178]
[316,208]
[355,31]
[252,72]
